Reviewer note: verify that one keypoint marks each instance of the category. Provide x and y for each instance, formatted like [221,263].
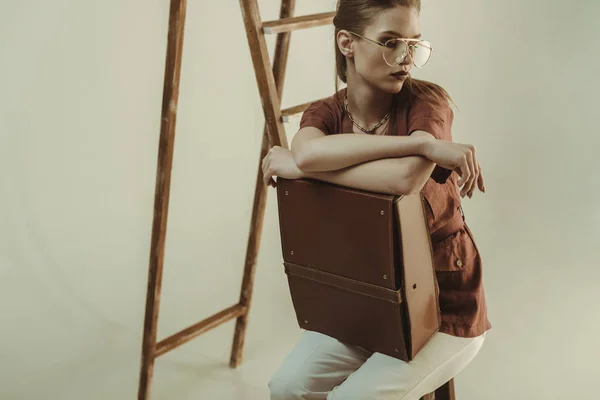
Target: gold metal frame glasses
[411,46]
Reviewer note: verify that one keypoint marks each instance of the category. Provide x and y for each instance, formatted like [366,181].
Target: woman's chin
[392,87]
[389,86]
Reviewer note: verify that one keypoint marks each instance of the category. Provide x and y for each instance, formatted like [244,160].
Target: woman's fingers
[266,170]
[475,175]
[466,173]
[463,171]
[472,177]
[480,181]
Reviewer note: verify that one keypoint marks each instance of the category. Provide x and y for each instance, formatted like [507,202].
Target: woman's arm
[390,164]
[411,160]
[398,176]
[390,176]
[316,152]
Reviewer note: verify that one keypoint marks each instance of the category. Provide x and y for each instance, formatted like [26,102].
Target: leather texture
[359,265]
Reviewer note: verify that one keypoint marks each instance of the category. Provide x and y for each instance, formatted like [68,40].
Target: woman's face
[397,22]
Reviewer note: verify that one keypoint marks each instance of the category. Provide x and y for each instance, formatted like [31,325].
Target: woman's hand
[280,162]
[458,157]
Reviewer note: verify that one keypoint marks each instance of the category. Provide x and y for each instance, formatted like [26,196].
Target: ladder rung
[286,113]
[297,23]
[188,334]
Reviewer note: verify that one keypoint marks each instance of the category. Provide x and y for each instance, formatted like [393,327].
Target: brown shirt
[457,260]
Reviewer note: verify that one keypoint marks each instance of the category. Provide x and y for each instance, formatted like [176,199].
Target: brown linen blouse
[457,260]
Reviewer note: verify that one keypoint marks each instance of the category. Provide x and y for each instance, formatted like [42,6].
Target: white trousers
[320,367]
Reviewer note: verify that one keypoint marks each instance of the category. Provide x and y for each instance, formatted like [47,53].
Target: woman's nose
[409,56]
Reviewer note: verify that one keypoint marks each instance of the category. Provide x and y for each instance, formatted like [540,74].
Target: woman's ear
[344,42]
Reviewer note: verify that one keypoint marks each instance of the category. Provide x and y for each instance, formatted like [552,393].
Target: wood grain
[298,23]
[270,138]
[300,108]
[162,190]
[195,330]
[265,78]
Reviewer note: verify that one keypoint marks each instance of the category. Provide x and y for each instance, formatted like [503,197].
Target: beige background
[80,96]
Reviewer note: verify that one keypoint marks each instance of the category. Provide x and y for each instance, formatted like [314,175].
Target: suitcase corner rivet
[385,277]
[382,212]
[292,252]
[286,192]
[305,321]
[396,350]
[415,286]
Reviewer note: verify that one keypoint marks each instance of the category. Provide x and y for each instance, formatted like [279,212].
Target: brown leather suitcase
[359,265]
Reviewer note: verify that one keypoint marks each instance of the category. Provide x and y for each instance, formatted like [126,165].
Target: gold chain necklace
[365,130]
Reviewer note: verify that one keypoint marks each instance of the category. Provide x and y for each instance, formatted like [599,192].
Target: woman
[388,133]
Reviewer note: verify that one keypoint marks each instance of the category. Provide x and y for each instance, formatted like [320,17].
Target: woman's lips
[400,75]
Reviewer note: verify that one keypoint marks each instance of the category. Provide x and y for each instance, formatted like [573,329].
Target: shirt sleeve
[319,115]
[437,121]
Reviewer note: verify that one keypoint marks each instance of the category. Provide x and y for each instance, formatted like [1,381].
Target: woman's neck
[367,104]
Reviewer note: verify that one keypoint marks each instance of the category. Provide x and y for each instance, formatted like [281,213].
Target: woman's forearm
[397,176]
[335,152]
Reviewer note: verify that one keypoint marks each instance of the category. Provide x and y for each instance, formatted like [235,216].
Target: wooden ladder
[270,80]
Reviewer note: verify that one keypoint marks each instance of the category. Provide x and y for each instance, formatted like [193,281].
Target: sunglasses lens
[394,51]
[422,53]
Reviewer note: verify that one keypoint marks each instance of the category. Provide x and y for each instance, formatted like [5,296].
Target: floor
[74,355]
[196,370]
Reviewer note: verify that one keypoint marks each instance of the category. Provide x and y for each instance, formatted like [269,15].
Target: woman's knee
[287,388]
[349,392]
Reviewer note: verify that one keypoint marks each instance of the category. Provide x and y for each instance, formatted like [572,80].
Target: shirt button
[459,263]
